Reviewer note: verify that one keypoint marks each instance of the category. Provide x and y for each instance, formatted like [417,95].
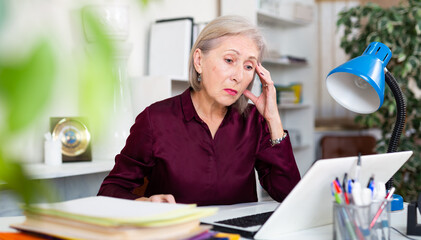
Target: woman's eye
[228,60]
[249,67]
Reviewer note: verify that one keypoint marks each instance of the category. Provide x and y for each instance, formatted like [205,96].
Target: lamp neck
[400,117]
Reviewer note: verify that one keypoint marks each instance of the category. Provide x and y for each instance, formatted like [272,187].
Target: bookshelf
[265,16]
[287,35]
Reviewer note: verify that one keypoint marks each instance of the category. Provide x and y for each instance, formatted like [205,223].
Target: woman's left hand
[266,102]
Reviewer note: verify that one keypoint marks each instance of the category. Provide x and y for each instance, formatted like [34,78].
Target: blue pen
[370,182]
[349,190]
[370,185]
[350,183]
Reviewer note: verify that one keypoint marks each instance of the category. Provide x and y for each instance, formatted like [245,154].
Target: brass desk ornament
[74,136]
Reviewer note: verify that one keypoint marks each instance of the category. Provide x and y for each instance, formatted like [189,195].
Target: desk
[398,220]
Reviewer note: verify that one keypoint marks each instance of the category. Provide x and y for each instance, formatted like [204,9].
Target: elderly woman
[203,146]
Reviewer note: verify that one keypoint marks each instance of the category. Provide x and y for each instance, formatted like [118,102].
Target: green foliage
[399,28]
[17,180]
[26,88]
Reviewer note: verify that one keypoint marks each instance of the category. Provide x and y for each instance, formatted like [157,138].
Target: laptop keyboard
[248,221]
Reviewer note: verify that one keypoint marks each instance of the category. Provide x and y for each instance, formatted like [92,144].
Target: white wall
[330,55]
[141,19]
[59,20]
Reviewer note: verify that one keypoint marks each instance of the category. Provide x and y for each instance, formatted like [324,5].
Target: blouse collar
[187,105]
[188,108]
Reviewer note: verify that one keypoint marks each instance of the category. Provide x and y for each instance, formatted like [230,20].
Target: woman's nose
[237,74]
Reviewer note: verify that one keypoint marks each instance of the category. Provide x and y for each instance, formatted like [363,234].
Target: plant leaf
[26,86]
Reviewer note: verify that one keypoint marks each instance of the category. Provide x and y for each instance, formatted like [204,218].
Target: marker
[344,214]
[344,188]
[379,191]
[382,206]
[337,191]
[344,181]
[356,193]
[366,196]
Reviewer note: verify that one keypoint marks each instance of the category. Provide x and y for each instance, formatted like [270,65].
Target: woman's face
[227,69]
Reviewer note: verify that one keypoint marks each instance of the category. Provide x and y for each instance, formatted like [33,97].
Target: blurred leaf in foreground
[25,86]
[25,89]
[18,181]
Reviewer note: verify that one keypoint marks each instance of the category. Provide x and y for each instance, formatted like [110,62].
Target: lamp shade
[358,84]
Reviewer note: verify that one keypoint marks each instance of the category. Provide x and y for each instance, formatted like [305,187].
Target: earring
[199,78]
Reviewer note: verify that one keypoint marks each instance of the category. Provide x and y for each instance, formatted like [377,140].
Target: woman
[203,146]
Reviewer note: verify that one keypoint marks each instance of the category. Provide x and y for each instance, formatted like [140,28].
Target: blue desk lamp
[358,85]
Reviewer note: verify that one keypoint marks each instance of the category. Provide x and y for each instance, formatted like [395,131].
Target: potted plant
[399,28]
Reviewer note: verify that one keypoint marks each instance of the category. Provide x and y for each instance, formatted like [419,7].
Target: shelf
[301,147]
[265,16]
[284,62]
[42,171]
[293,106]
[179,80]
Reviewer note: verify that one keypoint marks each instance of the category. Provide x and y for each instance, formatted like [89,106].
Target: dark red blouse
[173,147]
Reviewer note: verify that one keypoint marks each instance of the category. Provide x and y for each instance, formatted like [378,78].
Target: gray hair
[207,40]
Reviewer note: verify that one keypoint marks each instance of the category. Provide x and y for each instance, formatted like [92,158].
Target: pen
[370,182]
[370,185]
[337,191]
[382,206]
[344,188]
[350,197]
[358,167]
[344,181]
[350,183]
[345,217]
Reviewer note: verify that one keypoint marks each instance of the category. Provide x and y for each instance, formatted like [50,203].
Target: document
[112,218]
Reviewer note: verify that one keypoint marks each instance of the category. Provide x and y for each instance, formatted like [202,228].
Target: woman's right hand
[162,198]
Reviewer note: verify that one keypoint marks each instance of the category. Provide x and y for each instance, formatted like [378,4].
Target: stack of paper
[113,218]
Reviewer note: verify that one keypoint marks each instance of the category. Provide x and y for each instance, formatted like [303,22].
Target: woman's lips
[230,91]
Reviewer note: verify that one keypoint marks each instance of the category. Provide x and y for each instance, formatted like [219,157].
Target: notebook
[309,204]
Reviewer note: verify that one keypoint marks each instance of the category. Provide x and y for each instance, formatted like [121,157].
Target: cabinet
[288,34]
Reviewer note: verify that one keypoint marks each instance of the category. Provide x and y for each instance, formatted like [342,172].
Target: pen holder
[361,222]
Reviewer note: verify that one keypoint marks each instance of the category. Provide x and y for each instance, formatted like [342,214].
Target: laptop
[310,203]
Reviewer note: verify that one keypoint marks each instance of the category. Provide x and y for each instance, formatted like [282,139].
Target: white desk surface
[398,220]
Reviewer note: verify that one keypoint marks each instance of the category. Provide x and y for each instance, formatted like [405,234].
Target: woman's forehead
[240,44]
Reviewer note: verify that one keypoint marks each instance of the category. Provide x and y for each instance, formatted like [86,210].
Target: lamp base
[412,226]
[397,203]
